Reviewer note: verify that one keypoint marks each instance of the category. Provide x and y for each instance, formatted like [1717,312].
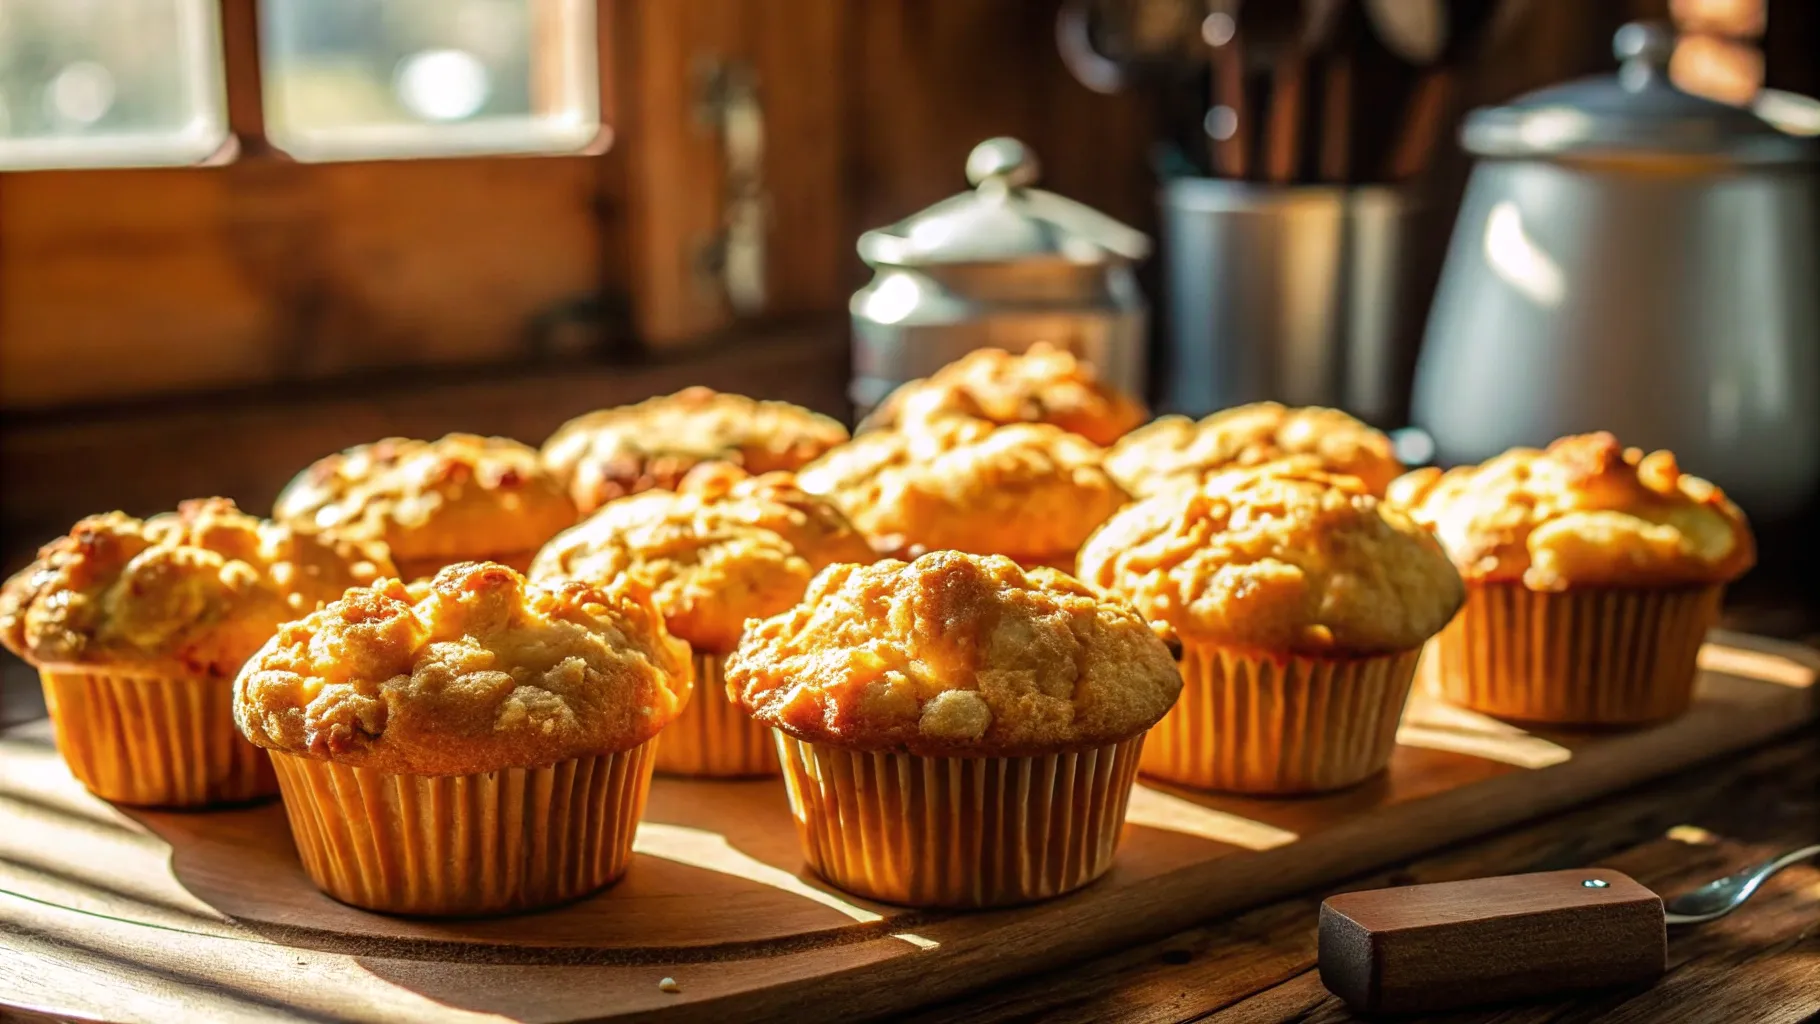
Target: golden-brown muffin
[614,452]
[1593,574]
[1302,604]
[191,593]
[1173,450]
[1043,385]
[715,554]
[1278,559]
[954,655]
[472,672]
[434,503]
[1584,512]
[1030,491]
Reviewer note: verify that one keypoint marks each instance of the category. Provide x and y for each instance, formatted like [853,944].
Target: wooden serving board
[135,915]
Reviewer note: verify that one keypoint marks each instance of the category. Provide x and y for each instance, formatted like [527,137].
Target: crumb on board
[669,985]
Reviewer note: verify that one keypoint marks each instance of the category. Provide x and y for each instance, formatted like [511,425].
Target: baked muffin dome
[726,548]
[954,655]
[470,672]
[1030,491]
[611,453]
[1278,559]
[1584,512]
[1174,449]
[432,502]
[1043,385]
[194,592]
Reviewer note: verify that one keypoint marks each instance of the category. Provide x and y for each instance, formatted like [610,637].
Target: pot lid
[1003,219]
[1637,112]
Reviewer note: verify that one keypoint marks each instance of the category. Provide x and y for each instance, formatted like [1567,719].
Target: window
[106,83]
[95,83]
[358,78]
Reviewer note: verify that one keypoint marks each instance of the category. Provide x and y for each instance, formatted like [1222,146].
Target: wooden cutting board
[137,915]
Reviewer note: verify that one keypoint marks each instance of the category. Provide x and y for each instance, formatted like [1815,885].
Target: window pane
[346,79]
[95,83]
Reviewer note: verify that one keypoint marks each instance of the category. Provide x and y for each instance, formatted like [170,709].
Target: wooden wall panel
[931,79]
[122,283]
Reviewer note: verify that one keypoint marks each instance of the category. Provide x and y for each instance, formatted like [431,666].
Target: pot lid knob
[1643,49]
[1003,159]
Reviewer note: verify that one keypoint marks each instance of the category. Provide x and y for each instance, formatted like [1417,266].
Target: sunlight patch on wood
[1433,725]
[1768,668]
[1692,835]
[1155,809]
[710,851]
[917,940]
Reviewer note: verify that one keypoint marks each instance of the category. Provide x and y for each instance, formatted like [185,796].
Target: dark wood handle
[1423,948]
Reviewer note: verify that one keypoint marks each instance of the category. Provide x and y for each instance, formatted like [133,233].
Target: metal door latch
[733,262]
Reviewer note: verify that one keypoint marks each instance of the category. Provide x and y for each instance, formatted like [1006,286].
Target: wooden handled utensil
[1424,948]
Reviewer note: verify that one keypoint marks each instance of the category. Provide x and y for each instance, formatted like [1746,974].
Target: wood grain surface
[150,916]
[1761,964]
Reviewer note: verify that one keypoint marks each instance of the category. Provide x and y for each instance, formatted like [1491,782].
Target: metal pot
[1632,258]
[1004,265]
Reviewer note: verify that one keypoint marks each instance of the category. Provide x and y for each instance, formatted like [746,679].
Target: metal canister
[1004,265]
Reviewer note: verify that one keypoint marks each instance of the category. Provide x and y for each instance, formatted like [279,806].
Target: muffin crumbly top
[1043,385]
[191,593]
[472,671]
[725,548]
[954,655]
[1174,450]
[460,497]
[1278,559]
[1585,512]
[615,452]
[1030,491]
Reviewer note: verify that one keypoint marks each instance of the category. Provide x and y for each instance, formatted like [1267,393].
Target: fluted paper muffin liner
[153,740]
[1279,724]
[1585,656]
[958,832]
[713,737]
[422,568]
[461,845]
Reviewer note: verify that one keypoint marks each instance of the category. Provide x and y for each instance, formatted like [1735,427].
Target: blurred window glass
[353,79]
[110,83]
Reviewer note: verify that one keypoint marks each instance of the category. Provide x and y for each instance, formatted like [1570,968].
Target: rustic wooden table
[1761,964]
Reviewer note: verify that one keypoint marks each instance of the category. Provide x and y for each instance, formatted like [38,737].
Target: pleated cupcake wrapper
[713,737]
[1591,656]
[460,845]
[153,740]
[421,568]
[1279,725]
[958,832]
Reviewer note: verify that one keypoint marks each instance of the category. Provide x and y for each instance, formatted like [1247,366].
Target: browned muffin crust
[471,672]
[954,655]
[1043,385]
[1175,450]
[191,593]
[1278,560]
[1030,491]
[433,502]
[611,453]
[1585,512]
[723,550]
